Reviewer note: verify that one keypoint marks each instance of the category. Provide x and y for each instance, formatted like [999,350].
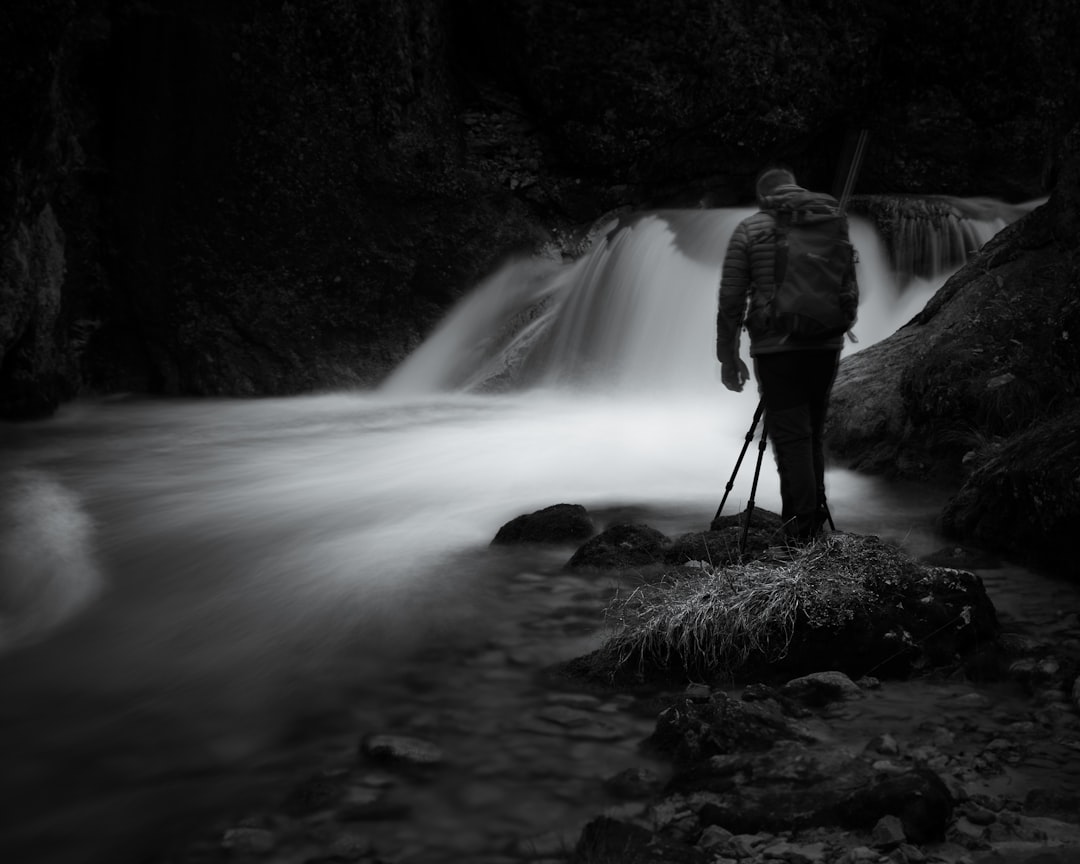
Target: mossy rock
[848,603]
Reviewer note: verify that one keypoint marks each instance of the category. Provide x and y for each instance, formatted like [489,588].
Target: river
[194,594]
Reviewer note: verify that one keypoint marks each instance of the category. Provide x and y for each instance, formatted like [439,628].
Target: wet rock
[888,832]
[789,763]
[908,854]
[622,546]
[571,723]
[1038,674]
[558,524]
[789,787]
[723,544]
[892,402]
[884,744]
[605,839]
[690,731]
[820,688]
[714,836]
[633,783]
[744,845]
[1023,499]
[761,520]
[860,855]
[349,847]
[919,798]
[795,853]
[962,558]
[713,548]
[977,814]
[317,792]
[401,750]
[864,606]
[248,841]
[1052,802]
[968,835]
[760,692]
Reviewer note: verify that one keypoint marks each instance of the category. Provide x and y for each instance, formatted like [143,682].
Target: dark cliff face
[983,386]
[262,197]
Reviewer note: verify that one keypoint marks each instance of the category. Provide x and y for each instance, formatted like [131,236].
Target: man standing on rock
[789,275]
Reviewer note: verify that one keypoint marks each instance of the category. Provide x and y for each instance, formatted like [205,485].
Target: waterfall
[931,236]
[636,312]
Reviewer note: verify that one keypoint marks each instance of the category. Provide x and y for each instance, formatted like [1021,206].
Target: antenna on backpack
[853,168]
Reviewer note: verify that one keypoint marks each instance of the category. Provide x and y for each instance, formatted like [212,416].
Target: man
[794,374]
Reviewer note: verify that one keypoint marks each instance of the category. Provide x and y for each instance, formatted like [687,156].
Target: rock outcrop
[983,387]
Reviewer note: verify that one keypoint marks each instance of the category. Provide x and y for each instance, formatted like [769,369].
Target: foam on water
[48,570]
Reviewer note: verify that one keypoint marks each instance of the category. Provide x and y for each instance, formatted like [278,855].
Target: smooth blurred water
[634,316]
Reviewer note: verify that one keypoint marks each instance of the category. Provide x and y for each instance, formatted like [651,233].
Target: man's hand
[734,375]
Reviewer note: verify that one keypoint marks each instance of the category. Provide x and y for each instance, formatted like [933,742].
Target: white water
[637,316]
[184,576]
[351,498]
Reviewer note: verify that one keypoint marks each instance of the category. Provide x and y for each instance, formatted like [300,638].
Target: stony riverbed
[476,755]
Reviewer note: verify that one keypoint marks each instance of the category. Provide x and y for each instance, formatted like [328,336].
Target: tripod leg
[738,462]
[753,491]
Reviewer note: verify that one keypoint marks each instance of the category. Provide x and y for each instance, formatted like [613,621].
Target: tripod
[757,473]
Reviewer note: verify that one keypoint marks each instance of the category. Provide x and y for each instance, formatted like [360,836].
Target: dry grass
[718,618]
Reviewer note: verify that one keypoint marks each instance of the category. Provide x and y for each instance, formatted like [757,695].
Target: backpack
[813,258]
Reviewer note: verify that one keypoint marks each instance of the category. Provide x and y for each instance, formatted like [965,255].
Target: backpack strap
[783,222]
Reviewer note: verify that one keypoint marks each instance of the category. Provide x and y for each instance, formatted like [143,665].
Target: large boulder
[1025,497]
[622,546]
[848,604]
[557,524]
[982,388]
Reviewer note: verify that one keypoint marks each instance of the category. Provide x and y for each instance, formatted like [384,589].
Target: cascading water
[930,236]
[637,312]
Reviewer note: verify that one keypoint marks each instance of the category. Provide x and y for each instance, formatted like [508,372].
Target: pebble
[713,836]
[246,841]
[821,688]
[401,749]
[860,855]
[888,832]
[911,854]
[885,744]
[795,853]
[745,845]
[978,815]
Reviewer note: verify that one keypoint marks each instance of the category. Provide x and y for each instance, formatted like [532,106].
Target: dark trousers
[795,387]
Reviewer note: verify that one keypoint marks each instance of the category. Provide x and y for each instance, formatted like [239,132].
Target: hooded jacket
[747,283]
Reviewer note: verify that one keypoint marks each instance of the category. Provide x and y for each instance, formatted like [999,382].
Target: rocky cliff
[983,387]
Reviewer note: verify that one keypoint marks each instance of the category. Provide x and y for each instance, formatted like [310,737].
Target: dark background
[251,197]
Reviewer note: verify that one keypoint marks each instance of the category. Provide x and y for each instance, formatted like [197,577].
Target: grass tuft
[718,618]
